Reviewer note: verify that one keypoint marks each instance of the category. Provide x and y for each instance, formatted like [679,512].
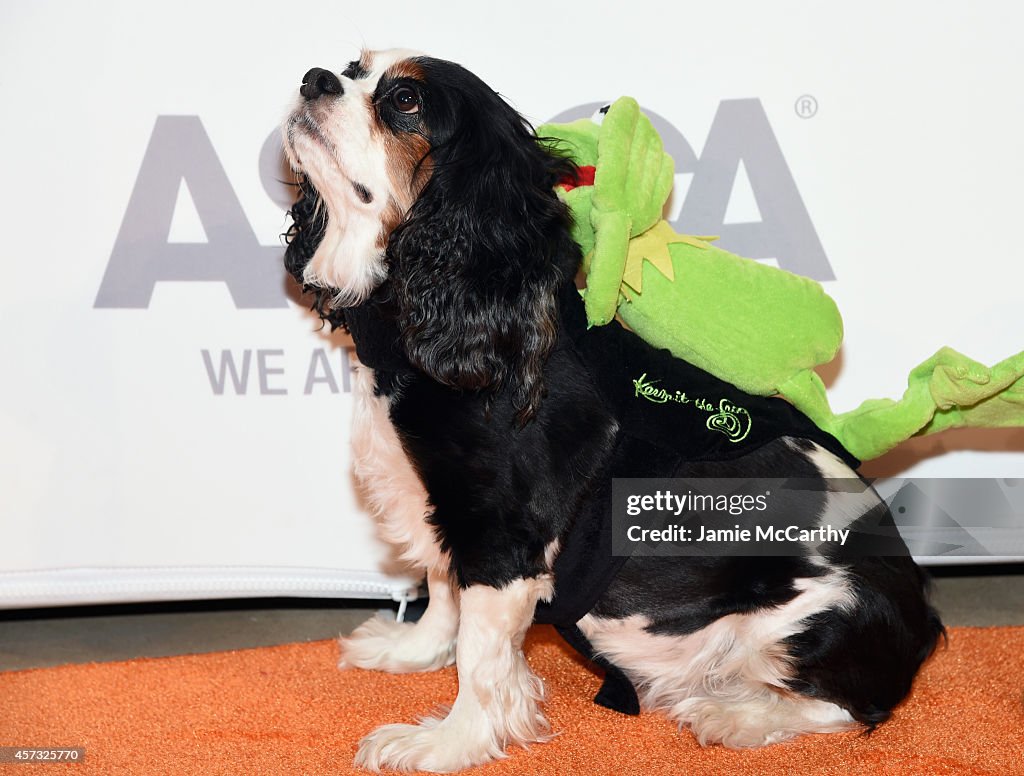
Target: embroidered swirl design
[732,421]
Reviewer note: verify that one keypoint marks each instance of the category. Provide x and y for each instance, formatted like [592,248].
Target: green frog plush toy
[761,328]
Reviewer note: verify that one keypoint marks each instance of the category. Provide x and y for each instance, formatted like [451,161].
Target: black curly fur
[309,221]
[477,262]
[475,265]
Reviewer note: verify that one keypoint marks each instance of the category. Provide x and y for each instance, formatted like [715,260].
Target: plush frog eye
[600,113]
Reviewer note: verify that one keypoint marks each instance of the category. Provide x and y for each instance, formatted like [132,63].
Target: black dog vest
[669,413]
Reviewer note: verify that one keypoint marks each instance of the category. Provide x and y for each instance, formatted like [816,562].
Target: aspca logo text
[180,150]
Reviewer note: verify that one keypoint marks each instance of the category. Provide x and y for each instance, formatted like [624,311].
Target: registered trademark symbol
[806,106]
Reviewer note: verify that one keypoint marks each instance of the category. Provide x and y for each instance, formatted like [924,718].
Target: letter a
[740,131]
[179,148]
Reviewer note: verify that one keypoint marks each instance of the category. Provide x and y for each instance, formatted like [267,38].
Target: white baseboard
[94,585]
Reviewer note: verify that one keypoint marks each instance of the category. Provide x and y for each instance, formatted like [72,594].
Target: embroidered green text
[724,416]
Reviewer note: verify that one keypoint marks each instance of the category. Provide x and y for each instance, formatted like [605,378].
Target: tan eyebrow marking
[409,166]
[405,68]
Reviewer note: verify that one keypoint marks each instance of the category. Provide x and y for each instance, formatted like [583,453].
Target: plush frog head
[625,179]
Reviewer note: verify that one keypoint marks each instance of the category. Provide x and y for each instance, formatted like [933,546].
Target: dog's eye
[405,100]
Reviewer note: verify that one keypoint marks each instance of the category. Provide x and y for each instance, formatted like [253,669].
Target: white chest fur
[392,488]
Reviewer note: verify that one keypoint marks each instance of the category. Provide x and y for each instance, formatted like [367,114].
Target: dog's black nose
[319,81]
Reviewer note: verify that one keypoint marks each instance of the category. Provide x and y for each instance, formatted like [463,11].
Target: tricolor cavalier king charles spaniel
[490,421]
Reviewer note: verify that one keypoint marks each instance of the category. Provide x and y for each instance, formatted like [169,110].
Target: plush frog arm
[756,326]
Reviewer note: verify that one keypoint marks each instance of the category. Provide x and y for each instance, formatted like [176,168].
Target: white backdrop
[141,222]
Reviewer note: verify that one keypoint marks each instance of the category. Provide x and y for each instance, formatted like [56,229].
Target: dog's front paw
[383,644]
[433,745]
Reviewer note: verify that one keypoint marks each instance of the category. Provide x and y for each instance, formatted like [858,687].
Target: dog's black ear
[477,262]
[309,220]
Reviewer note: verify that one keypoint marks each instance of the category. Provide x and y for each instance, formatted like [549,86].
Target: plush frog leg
[874,427]
[948,390]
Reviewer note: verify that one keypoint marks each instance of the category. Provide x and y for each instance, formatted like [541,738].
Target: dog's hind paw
[433,745]
[382,644]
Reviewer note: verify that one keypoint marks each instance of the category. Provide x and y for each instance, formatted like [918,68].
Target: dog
[490,422]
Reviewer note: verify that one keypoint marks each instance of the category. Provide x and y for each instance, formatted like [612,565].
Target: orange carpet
[288,710]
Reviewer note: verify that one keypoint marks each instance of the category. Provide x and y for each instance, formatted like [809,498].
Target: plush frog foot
[996,403]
